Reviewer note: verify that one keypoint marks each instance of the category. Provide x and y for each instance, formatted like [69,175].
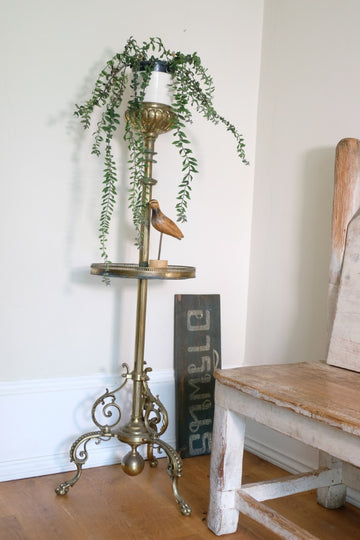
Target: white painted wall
[63,334]
[56,320]
[60,325]
[309,100]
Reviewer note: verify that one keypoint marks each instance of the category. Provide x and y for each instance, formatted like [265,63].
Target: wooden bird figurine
[162,223]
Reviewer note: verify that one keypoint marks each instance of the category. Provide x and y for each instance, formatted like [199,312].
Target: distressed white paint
[346,202]
[344,348]
[281,487]
[332,495]
[225,469]
[225,482]
[271,519]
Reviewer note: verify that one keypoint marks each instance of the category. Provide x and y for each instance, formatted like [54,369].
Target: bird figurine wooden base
[158,263]
[163,224]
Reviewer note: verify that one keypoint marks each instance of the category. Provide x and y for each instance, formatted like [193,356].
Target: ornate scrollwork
[155,415]
[78,451]
[156,422]
[109,406]
[79,455]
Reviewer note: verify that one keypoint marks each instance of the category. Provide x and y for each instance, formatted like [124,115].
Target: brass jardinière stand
[149,419]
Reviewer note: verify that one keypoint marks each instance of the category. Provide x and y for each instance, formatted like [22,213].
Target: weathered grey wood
[344,347]
[315,403]
[351,476]
[332,495]
[291,422]
[225,470]
[291,399]
[289,485]
[346,202]
[315,390]
[197,351]
[270,518]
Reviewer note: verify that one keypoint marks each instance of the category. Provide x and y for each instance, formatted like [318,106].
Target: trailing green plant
[192,88]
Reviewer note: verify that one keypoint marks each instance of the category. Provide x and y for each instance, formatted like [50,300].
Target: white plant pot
[159,90]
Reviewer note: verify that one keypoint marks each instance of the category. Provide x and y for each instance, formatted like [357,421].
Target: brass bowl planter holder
[149,419]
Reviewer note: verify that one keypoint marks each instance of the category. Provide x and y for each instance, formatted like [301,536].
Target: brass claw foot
[175,472]
[79,457]
[63,488]
[185,508]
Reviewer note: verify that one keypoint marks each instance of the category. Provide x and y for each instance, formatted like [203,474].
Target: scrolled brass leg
[153,462]
[79,457]
[175,472]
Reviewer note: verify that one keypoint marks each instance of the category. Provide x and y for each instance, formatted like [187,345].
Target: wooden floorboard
[106,504]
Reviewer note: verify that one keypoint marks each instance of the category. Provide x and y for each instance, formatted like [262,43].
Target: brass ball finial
[133,463]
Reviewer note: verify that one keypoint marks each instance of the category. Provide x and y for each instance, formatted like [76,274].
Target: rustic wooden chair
[317,403]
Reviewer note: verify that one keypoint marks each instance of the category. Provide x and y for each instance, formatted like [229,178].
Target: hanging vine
[192,87]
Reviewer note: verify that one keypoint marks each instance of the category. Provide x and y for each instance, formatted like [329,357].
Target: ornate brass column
[149,419]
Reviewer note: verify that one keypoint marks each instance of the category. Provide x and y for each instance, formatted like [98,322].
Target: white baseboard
[45,417]
[282,451]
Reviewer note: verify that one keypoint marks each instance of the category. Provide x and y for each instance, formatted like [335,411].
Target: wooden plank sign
[197,347]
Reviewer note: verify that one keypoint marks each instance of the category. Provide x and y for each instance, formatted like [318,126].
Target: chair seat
[314,403]
[325,393]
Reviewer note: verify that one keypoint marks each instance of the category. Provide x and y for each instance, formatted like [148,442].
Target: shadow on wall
[85,191]
[310,325]
[85,186]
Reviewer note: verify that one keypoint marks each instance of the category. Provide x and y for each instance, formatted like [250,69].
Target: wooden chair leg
[333,496]
[225,470]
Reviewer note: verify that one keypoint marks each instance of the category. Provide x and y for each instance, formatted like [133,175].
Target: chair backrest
[344,275]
